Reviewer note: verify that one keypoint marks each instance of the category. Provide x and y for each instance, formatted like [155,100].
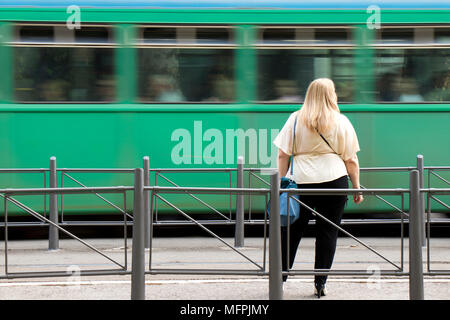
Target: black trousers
[331,207]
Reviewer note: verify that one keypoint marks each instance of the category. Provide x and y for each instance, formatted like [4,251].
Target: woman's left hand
[358,198]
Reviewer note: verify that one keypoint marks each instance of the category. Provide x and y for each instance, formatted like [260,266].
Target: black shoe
[320,290]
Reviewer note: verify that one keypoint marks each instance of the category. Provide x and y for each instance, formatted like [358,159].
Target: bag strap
[325,141]
[293,147]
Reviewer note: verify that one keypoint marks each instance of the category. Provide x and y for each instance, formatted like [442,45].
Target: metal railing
[144,200]
[238,219]
[7,195]
[275,273]
[431,196]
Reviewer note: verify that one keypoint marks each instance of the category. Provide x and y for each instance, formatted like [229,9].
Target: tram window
[64,74]
[92,35]
[281,34]
[172,75]
[442,35]
[284,75]
[331,35]
[213,35]
[413,75]
[302,36]
[162,34]
[36,33]
[186,35]
[60,33]
[396,35]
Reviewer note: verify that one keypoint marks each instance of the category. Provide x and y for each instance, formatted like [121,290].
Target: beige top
[314,161]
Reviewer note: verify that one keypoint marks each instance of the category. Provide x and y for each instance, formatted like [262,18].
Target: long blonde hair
[320,109]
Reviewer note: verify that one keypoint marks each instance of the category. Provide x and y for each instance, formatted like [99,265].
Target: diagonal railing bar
[346,232]
[259,178]
[23,207]
[438,176]
[439,201]
[99,196]
[196,198]
[209,231]
[40,217]
[388,203]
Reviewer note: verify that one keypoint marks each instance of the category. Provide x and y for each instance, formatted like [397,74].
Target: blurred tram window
[185,64]
[58,65]
[36,33]
[299,36]
[284,75]
[395,35]
[93,35]
[290,58]
[442,35]
[413,75]
[417,71]
[159,34]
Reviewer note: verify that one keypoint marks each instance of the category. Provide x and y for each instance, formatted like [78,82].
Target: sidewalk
[209,253]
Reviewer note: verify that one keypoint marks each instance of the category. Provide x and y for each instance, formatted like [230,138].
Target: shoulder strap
[293,146]
[325,141]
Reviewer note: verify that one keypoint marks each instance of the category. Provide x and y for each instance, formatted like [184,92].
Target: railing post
[239,227]
[420,167]
[138,250]
[415,246]
[275,268]
[147,201]
[53,235]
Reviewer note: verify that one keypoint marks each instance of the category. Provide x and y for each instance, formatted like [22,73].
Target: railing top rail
[204,190]
[207,190]
[17,170]
[441,191]
[388,169]
[192,169]
[361,169]
[385,191]
[40,191]
[124,170]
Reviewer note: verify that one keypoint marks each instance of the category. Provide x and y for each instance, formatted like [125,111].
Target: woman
[324,156]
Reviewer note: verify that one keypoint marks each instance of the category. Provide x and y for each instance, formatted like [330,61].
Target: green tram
[195,84]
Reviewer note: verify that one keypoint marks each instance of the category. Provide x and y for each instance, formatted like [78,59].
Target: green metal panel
[121,139]
[207,108]
[240,16]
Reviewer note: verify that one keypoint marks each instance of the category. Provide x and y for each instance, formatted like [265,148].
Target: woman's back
[314,160]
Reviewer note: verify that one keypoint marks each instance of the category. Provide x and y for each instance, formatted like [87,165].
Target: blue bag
[294,206]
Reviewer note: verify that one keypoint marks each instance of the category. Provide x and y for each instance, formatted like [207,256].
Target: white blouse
[314,161]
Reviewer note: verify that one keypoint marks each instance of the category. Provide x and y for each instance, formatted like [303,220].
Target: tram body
[195,84]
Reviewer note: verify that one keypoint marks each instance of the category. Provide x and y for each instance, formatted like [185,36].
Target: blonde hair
[320,109]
